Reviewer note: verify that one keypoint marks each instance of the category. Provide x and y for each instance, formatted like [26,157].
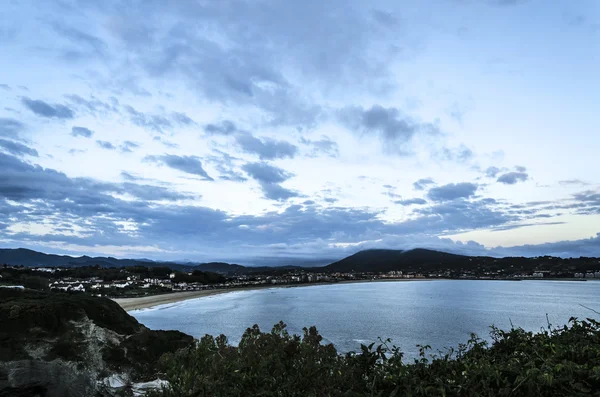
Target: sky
[268,131]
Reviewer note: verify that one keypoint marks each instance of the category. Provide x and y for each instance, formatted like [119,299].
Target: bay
[440,313]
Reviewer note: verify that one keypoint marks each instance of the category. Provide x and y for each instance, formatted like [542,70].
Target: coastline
[147,302]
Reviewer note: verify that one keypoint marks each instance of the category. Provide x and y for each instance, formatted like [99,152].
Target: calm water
[439,313]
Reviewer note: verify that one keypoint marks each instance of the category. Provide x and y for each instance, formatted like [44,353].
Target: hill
[30,258]
[383,260]
[57,344]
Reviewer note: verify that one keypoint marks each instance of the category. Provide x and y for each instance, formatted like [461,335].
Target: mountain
[30,258]
[220,267]
[26,257]
[383,260]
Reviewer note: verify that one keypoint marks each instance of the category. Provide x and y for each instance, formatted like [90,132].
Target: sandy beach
[146,302]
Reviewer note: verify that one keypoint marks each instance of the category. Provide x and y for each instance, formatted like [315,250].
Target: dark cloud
[82,131]
[393,128]
[188,164]
[452,191]
[10,128]
[265,148]
[422,184]
[5,87]
[322,147]
[510,178]
[128,146]
[264,172]
[38,195]
[153,193]
[44,109]
[225,127]
[17,149]
[106,145]
[589,247]
[413,201]
[492,171]
[269,177]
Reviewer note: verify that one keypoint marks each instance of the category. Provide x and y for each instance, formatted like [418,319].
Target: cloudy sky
[253,130]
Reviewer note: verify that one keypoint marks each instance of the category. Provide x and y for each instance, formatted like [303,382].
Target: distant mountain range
[373,260]
[30,258]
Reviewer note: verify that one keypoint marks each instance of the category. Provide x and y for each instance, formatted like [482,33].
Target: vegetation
[555,362]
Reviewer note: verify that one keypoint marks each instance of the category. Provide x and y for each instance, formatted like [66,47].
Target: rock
[63,345]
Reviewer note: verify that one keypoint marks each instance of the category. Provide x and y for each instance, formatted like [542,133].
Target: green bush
[555,362]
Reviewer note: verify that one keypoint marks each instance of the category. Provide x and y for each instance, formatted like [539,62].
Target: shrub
[555,362]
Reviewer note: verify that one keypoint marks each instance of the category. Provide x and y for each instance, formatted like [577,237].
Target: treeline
[198,276]
[555,362]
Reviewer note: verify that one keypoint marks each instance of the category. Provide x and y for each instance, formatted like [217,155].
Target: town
[142,281]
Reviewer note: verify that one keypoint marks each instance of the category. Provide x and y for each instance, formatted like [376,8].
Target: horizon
[271,262]
[298,131]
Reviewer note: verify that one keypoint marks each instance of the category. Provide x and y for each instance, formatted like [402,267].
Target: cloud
[264,172]
[44,109]
[17,149]
[413,201]
[241,58]
[422,184]
[153,193]
[84,40]
[225,127]
[82,131]
[128,146]
[452,191]
[158,122]
[573,182]
[11,128]
[393,129]
[269,177]
[94,106]
[106,145]
[5,87]
[266,148]
[324,146]
[459,154]
[167,143]
[492,171]
[154,220]
[510,178]
[188,164]
[224,164]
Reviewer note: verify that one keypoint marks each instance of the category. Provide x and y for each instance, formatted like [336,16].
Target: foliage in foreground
[555,362]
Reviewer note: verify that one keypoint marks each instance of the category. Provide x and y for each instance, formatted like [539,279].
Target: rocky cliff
[58,344]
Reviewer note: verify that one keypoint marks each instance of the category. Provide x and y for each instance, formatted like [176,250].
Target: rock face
[58,344]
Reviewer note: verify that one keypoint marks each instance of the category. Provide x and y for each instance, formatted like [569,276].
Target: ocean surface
[441,313]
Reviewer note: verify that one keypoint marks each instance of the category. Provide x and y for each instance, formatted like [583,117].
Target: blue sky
[256,130]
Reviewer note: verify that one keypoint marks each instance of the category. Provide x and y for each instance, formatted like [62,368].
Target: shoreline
[150,301]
